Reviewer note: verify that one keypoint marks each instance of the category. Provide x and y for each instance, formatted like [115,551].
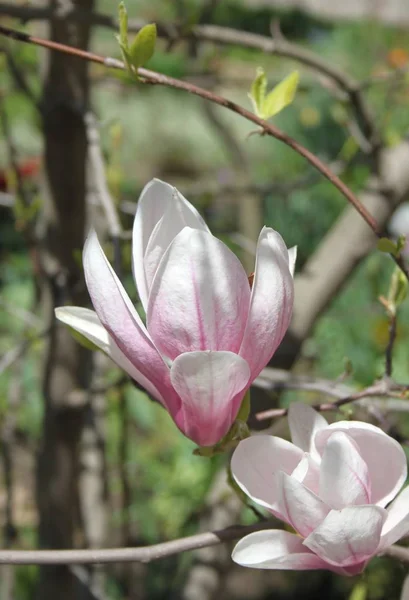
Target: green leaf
[281,96]
[123,26]
[359,591]
[386,245]
[398,288]
[244,410]
[143,46]
[258,91]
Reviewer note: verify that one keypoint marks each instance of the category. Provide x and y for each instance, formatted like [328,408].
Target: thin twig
[223,36]
[98,169]
[390,345]
[382,388]
[151,77]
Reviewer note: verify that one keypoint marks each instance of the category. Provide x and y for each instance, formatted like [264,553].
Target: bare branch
[151,77]
[143,554]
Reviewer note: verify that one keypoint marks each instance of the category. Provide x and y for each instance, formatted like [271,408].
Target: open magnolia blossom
[207,334]
[331,485]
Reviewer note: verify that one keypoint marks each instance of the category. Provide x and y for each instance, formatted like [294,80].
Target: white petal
[86,322]
[292,257]
[178,215]
[383,455]
[271,301]
[397,521]
[255,465]
[210,386]
[274,549]
[156,199]
[200,296]
[344,476]
[349,536]
[304,422]
[302,509]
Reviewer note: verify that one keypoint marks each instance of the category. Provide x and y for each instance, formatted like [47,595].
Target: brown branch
[151,77]
[143,554]
[390,345]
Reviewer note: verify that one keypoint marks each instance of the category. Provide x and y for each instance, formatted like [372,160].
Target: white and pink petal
[271,301]
[344,475]
[384,457]
[348,537]
[275,549]
[255,465]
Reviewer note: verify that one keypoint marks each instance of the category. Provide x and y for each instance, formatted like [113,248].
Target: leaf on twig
[267,105]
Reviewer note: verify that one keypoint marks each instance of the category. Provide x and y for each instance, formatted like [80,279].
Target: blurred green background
[148,131]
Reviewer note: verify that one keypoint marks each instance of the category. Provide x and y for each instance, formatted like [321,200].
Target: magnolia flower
[331,485]
[207,334]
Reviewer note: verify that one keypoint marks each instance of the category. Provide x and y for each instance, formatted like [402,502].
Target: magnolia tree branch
[384,388]
[143,554]
[151,77]
[223,36]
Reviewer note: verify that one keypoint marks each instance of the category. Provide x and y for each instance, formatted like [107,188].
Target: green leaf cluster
[267,105]
[141,49]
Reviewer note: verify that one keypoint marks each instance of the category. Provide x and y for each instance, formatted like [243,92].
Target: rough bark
[67,366]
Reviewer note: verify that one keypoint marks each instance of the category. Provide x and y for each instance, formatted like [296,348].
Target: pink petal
[274,549]
[86,322]
[199,298]
[271,302]
[383,455]
[178,214]
[119,317]
[349,536]
[304,422]
[210,385]
[302,509]
[255,465]
[344,477]
[397,521]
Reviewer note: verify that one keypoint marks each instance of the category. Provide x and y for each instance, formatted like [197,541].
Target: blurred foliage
[152,131]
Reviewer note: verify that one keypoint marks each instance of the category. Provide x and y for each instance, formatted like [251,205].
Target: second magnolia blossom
[208,334]
[331,485]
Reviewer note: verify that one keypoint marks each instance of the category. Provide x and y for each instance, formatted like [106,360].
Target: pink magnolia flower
[331,485]
[207,334]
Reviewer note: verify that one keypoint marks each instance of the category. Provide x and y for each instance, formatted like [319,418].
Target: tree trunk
[67,367]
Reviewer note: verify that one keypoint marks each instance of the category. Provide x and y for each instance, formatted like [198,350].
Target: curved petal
[199,298]
[119,317]
[86,322]
[344,476]
[304,422]
[397,521]
[152,203]
[302,509]
[349,536]
[383,455]
[178,214]
[292,257]
[158,202]
[271,302]
[210,386]
[274,549]
[256,463]
[307,472]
